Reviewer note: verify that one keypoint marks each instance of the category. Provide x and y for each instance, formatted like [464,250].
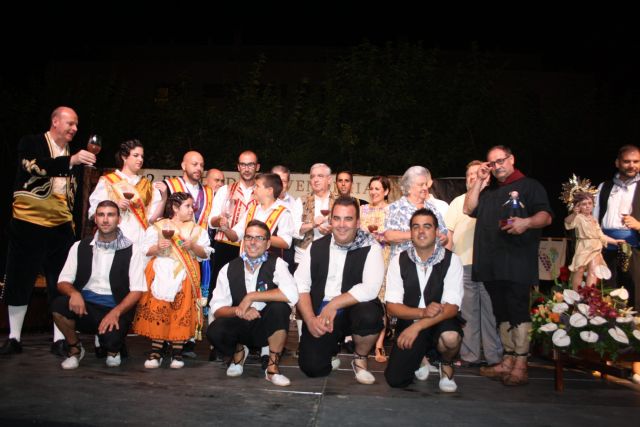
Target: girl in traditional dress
[171,310]
[138,201]
[372,219]
[589,242]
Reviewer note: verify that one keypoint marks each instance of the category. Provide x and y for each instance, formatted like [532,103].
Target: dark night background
[372,89]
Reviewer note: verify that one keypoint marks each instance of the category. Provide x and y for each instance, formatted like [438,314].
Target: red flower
[564,274]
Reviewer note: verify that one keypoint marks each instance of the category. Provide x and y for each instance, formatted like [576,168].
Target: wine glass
[167,232]
[94,145]
[227,210]
[325,213]
[128,195]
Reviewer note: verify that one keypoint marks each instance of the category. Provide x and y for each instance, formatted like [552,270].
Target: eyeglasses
[259,239]
[498,162]
[251,165]
[218,179]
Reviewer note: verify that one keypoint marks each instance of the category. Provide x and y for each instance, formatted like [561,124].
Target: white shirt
[221,197]
[101,267]
[129,225]
[372,275]
[294,204]
[284,224]
[620,201]
[221,295]
[59,183]
[451,294]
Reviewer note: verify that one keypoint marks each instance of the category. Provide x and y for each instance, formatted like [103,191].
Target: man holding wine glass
[315,209]
[41,229]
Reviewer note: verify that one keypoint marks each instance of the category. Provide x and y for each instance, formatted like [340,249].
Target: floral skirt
[163,320]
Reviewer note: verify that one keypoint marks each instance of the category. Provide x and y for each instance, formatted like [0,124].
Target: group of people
[178,259]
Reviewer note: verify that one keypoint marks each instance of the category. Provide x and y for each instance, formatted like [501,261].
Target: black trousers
[224,253]
[510,301]
[364,318]
[403,363]
[226,332]
[111,341]
[33,248]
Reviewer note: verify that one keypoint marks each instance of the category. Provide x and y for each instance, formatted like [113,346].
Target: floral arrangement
[590,318]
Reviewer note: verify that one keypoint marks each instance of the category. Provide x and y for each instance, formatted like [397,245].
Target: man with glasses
[231,201]
[505,257]
[251,304]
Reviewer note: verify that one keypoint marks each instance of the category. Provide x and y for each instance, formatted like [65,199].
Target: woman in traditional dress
[171,310]
[372,219]
[138,201]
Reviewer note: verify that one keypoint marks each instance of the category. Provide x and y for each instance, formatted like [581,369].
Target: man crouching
[101,282]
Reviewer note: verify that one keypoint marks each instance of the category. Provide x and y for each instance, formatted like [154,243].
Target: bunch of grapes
[546,262]
[623,258]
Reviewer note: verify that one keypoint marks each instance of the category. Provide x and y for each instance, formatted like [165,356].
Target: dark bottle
[510,209]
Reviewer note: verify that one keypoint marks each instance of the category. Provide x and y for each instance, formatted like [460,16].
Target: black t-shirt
[498,255]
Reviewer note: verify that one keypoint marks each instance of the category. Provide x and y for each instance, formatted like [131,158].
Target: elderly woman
[415,185]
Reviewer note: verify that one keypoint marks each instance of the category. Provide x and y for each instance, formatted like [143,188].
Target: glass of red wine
[94,145]
[325,213]
[372,228]
[167,232]
[128,195]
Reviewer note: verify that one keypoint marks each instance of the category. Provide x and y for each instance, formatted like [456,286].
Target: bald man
[214,180]
[41,229]
[192,170]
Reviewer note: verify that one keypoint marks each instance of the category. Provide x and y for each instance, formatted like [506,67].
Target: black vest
[603,201]
[235,275]
[118,275]
[411,284]
[351,274]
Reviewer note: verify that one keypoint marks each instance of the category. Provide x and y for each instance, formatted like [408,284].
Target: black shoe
[264,361]
[349,347]
[101,353]
[11,346]
[215,356]
[60,348]
[188,350]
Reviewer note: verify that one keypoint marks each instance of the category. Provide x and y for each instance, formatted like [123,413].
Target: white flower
[589,336]
[597,321]
[560,307]
[602,272]
[625,319]
[570,296]
[548,327]
[619,335]
[584,309]
[636,334]
[621,293]
[577,320]
[560,338]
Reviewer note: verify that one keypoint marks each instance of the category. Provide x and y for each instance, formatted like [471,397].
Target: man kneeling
[101,282]
[424,291]
[251,305]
